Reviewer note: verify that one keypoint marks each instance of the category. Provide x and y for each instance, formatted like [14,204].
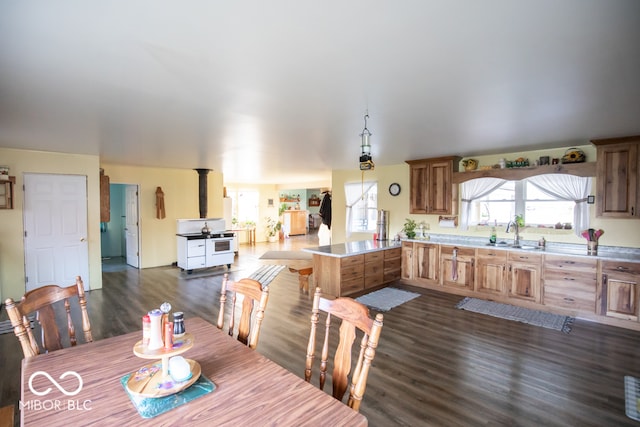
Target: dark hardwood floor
[435,365]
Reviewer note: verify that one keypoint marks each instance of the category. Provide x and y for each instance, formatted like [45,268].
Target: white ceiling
[275,91]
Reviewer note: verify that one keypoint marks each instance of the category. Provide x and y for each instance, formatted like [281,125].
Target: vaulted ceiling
[276,91]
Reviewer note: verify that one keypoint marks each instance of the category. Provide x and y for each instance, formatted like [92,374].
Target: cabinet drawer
[352,285]
[491,256]
[354,271]
[373,280]
[392,264]
[391,275]
[373,269]
[372,257]
[392,253]
[573,299]
[558,262]
[527,257]
[196,247]
[621,268]
[196,262]
[570,283]
[351,260]
[462,252]
[570,279]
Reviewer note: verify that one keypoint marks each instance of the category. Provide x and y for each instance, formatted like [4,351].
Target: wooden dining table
[250,390]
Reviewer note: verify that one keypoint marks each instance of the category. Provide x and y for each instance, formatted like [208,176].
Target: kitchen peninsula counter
[353,248]
[355,267]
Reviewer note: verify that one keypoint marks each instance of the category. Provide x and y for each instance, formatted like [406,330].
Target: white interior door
[55,226]
[131,233]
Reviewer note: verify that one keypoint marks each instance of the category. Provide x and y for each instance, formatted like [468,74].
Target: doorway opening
[119,238]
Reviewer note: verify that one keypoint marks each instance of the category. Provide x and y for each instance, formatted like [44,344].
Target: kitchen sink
[523,247]
[512,246]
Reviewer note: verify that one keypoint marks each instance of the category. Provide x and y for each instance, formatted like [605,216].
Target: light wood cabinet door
[524,281]
[491,267]
[618,189]
[457,267]
[418,177]
[407,260]
[524,275]
[431,186]
[620,288]
[427,262]
[440,188]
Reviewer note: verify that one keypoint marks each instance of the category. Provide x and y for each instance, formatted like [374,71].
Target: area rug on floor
[519,314]
[203,272]
[286,255]
[632,397]
[387,298]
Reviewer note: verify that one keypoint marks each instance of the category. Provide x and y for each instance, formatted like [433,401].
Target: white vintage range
[198,249]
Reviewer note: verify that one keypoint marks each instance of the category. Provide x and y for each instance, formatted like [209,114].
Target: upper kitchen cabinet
[618,186]
[431,186]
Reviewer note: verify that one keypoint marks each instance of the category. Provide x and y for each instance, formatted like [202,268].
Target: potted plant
[409,228]
[273,228]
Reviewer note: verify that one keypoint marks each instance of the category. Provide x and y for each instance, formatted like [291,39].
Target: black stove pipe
[202,191]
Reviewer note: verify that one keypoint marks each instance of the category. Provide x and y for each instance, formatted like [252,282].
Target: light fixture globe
[366,162]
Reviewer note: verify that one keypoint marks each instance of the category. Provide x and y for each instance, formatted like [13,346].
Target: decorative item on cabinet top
[574,155]
[470,164]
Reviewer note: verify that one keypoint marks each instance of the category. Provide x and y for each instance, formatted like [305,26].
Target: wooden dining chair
[254,304]
[41,302]
[354,316]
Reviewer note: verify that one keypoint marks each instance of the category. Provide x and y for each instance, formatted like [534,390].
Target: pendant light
[366,163]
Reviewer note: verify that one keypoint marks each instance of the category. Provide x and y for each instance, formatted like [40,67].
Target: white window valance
[472,190]
[570,188]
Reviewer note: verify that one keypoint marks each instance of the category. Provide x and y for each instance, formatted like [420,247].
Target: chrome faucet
[516,238]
